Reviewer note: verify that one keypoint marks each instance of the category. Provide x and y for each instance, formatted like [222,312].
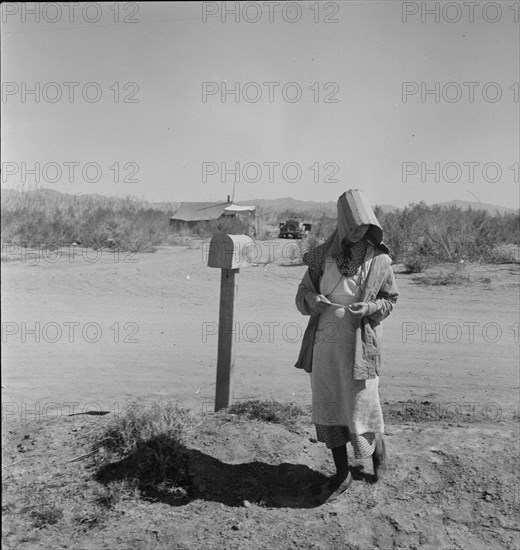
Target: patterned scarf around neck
[348,259]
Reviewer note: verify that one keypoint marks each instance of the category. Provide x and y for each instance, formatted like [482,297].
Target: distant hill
[273,206]
[288,203]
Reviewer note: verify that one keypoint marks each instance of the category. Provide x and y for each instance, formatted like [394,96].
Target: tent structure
[190,213]
[235,209]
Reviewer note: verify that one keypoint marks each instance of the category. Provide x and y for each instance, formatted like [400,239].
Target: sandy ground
[121,327]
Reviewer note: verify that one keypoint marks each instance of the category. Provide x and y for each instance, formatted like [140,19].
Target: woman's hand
[358,310]
[321,303]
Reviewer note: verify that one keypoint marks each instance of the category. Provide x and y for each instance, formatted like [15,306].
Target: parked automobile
[294,228]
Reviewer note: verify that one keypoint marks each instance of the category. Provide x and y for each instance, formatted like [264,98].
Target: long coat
[380,293]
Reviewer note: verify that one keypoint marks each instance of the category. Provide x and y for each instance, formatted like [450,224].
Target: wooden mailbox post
[229,253]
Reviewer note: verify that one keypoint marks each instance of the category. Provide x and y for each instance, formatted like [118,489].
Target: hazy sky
[138,100]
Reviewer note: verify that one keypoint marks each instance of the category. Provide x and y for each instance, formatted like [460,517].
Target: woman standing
[348,289]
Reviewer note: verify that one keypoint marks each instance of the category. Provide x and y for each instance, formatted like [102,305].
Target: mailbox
[230,251]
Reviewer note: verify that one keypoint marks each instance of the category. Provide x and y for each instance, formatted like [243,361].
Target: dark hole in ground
[91,413]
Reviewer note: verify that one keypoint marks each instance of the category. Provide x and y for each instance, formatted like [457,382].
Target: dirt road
[145,326]
[82,334]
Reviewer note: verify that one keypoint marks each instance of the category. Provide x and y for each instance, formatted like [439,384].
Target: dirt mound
[253,485]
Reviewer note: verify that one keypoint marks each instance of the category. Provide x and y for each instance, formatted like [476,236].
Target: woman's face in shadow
[356,235]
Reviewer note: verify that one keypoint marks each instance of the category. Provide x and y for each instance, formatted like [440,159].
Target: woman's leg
[341,462]
[343,478]
[379,459]
[335,437]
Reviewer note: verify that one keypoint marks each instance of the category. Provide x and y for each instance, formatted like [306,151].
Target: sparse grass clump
[443,279]
[144,448]
[111,494]
[141,424]
[454,275]
[47,515]
[268,411]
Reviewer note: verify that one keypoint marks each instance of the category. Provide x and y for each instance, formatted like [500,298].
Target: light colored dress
[337,399]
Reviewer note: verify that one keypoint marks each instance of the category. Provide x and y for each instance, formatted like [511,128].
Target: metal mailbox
[230,251]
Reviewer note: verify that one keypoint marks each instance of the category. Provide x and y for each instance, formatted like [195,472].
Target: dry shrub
[505,254]
[232,225]
[41,218]
[414,265]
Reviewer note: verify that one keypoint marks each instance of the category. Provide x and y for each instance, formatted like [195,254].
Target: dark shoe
[379,459]
[333,489]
